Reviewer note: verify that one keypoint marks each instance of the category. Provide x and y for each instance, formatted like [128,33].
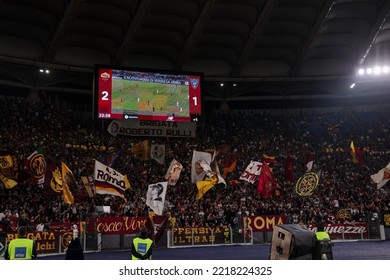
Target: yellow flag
[353,153]
[151,214]
[127,182]
[204,186]
[8,183]
[66,181]
[87,186]
[141,150]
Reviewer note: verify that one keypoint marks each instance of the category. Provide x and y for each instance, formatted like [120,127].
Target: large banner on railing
[50,242]
[200,236]
[336,231]
[344,231]
[264,222]
[121,225]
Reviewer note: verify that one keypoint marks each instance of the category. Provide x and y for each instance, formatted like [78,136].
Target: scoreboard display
[125,93]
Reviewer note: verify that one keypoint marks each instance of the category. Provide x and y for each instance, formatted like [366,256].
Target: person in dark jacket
[75,250]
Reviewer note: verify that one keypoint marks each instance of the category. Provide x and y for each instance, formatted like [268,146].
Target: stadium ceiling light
[369,71]
[234,84]
[221,84]
[377,70]
[385,69]
[361,71]
[47,71]
[352,85]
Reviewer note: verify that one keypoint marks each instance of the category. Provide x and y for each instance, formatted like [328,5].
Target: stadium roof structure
[261,50]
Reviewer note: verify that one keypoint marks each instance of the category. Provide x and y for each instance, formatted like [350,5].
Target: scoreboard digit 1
[195,95]
[105,93]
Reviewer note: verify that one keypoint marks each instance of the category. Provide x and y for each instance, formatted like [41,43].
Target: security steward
[321,234]
[323,249]
[21,248]
[141,248]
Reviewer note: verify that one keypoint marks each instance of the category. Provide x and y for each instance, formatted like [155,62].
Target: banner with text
[152,128]
[50,242]
[344,231]
[200,236]
[121,225]
[265,222]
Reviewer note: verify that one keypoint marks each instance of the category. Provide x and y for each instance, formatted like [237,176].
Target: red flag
[270,160]
[309,162]
[360,156]
[289,169]
[53,179]
[267,183]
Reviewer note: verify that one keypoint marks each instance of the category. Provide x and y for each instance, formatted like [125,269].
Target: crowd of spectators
[249,134]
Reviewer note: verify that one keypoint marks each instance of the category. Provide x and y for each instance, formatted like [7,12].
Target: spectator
[342,185]
[40,226]
[75,250]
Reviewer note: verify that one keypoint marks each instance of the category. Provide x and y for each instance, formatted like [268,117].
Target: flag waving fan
[289,168]
[173,172]
[252,172]
[199,159]
[141,150]
[110,181]
[205,185]
[267,183]
[155,197]
[357,155]
[381,177]
[212,174]
[69,184]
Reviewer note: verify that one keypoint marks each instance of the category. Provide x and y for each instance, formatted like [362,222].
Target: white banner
[197,171]
[381,177]
[152,128]
[173,172]
[109,181]
[155,197]
[252,172]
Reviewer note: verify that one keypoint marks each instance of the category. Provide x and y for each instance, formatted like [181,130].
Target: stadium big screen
[127,93]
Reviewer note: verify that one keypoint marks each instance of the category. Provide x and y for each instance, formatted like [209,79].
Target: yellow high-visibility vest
[142,246]
[20,249]
[322,235]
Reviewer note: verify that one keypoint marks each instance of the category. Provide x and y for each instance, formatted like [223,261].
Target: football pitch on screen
[145,98]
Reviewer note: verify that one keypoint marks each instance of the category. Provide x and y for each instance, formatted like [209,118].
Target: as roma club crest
[37,165]
[343,214]
[307,184]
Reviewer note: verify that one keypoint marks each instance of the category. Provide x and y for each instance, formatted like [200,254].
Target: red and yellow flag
[67,181]
[204,186]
